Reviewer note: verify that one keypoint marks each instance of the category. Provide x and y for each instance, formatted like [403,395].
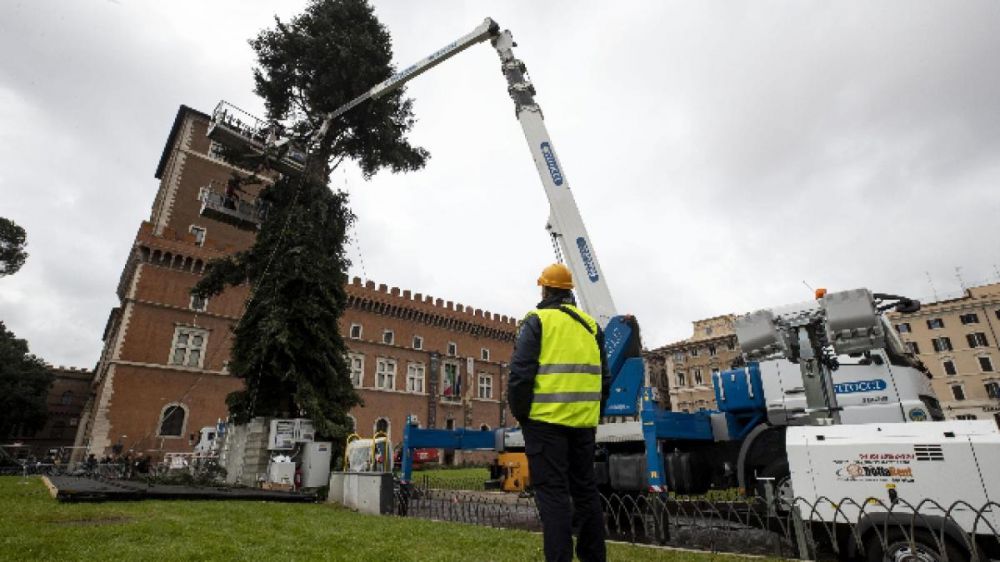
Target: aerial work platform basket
[232,210]
[249,135]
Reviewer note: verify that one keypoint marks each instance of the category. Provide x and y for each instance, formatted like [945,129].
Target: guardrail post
[803,535]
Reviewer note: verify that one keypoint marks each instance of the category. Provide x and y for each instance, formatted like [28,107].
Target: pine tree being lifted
[287,346]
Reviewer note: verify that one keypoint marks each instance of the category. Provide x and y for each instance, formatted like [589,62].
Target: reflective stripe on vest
[568,383]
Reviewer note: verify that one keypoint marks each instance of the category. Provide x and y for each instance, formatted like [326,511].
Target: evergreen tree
[287,345]
[24,385]
[13,239]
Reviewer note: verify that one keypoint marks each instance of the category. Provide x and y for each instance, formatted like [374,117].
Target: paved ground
[78,489]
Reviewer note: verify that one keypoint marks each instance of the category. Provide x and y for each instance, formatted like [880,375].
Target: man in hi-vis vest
[558,385]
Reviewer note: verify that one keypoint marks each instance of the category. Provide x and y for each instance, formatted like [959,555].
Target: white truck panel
[867,393]
[945,462]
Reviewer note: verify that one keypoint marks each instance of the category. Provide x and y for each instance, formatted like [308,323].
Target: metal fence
[823,529]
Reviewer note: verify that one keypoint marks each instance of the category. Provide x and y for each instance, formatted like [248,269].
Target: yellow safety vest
[568,384]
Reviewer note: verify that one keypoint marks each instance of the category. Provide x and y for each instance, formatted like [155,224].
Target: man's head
[556,280]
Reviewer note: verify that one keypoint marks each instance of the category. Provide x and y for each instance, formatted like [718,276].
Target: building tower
[162,373]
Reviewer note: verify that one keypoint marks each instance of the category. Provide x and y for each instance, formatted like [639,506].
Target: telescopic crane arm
[565,224]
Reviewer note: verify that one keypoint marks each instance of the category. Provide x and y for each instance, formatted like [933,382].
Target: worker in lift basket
[557,388]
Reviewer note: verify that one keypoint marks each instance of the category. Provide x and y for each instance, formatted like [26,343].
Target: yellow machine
[513,471]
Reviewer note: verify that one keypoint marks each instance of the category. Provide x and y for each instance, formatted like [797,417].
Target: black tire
[782,481]
[898,547]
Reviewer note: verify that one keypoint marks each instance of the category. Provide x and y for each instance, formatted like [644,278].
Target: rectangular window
[935,323]
[198,303]
[949,367]
[451,382]
[679,356]
[711,350]
[680,379]
[694,352]
[912,347]
[415,377]
[357,362]
[958,392]
[216,150]
[976,339]
[385,374]
[985,363]
[189,346]
[452,349]
[485,386]
[484,354]
[970,318]
[355,331]
[903,328]
[993,390]
[199,234]
[418,342]
[731,345]
[388,337]
[697,378]
[941,344]
[965,417]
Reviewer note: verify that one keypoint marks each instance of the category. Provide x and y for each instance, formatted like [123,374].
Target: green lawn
[36,527]
[453,478]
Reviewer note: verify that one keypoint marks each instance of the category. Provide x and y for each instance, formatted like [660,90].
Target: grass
[472,478]
[36,527]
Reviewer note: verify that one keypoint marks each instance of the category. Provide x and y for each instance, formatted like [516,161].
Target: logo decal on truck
[886,467]
[588,259]
[874,385]
[550,161]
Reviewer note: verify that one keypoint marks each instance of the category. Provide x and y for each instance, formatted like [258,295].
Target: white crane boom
[565,224]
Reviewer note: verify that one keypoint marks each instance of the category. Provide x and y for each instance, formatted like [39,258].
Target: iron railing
[822,529]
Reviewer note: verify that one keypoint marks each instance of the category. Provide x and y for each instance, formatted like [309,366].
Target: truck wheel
[782,482]
[898,548]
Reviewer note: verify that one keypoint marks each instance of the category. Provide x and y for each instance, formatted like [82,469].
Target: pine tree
[287,345]
[13,239]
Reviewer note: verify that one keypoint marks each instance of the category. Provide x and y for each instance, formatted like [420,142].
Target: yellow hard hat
[556,276]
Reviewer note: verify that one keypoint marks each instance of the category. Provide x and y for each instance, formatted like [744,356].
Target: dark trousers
[561,464]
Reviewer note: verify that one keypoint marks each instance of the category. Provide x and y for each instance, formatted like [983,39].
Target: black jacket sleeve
[605,373]
[524,368]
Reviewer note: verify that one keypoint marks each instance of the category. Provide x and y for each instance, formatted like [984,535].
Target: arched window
[382,425]
[172,421]
[67,398]
[484,427]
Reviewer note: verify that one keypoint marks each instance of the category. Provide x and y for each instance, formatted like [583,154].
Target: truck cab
[869,389]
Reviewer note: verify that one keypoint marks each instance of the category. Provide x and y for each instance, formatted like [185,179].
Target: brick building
[65,401]
[683,370]
[162,372]
[956,338]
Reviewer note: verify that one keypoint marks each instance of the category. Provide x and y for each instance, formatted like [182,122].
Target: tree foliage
[24,385]
[13,239]
[287,346]
[330,54]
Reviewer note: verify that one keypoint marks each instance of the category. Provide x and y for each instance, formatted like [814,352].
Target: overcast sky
[723,154]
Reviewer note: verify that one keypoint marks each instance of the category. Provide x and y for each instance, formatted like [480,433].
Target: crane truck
[800,358]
